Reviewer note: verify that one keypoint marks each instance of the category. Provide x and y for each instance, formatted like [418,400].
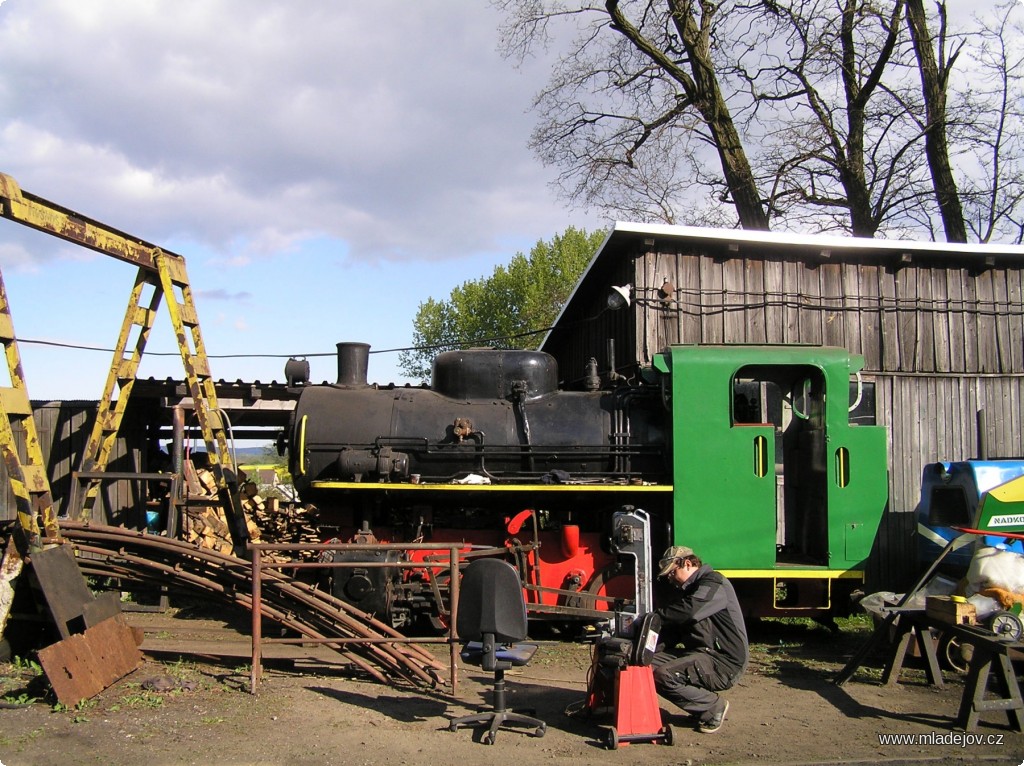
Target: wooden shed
[257,411]
[63,428]
[940,327]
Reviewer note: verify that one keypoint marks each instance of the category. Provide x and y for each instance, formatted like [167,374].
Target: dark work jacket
[704,614]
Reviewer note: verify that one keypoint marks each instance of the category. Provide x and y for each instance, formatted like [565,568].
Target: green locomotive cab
[773,484]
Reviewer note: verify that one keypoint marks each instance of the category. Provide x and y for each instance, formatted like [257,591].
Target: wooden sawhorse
[913,624]
[990,653]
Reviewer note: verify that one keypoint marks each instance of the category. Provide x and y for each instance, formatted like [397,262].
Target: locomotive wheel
[611,738]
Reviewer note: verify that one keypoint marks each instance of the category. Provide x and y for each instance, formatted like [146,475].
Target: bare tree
[935,67]
[993,140]
[838,155]
[695,73]
[799,113]
[617,105]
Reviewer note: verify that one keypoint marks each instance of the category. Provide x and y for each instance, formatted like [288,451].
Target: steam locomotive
[745,453]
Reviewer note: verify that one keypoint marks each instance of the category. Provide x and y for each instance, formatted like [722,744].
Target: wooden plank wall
[943,342]
[63,430]
[912,319]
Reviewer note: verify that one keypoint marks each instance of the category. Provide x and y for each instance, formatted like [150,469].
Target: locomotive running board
[543,488]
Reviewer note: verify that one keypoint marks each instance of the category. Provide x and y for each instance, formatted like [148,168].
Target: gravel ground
[785,710]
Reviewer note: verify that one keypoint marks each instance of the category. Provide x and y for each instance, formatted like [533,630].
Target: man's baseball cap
[671,556]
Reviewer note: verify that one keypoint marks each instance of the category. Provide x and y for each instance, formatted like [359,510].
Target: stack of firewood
[208,528]
[280,522]
[267,519]
[207,525]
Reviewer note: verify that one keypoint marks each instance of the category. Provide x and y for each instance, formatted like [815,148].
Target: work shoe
[714,722]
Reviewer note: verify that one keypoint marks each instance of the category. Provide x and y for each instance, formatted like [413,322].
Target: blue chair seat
[514,654]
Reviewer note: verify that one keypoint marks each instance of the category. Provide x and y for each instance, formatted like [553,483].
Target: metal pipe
[453,631]
[256,671]
[178,488]
[982,435]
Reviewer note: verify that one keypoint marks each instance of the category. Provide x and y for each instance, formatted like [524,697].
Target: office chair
[492,617]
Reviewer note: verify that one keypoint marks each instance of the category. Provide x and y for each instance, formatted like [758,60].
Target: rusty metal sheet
[83,665]
[63,586]
[72,605]
[103,607]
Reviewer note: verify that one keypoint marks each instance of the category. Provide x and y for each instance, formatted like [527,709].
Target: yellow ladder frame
[165,272]
[28,478]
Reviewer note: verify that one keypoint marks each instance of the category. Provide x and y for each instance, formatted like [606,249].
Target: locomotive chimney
[353,360]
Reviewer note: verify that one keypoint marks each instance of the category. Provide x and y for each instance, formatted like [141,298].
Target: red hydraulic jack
[637,715]
[623,680]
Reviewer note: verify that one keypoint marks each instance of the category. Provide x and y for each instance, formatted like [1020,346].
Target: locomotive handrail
[301,463]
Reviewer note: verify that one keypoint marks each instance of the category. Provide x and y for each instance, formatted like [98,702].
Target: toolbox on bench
[952,609]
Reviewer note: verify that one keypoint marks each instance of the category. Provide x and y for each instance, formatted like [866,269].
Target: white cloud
[392,127]
[17,256]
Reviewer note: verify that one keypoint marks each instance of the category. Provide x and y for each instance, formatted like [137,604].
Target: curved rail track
[148,559]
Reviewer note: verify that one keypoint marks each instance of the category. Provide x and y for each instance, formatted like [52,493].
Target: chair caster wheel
[489,738]
[541,731]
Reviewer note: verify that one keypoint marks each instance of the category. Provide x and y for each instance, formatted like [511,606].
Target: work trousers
[692,680]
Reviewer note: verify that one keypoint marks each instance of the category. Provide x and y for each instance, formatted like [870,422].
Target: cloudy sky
[323,168]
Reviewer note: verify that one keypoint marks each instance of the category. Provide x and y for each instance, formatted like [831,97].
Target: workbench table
[990,654]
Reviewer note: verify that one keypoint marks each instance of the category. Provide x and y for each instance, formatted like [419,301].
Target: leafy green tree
[509,309]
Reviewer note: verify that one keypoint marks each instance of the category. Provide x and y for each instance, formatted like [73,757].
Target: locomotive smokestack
[353,361]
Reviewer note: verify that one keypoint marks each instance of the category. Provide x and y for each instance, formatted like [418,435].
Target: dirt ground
[785,710]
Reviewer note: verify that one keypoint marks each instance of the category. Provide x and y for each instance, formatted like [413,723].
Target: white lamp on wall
[618,297]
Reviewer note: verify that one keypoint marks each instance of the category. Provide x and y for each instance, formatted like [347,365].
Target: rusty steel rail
[374,647]
[261,568]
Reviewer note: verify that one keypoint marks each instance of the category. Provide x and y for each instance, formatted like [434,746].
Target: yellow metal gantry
[161,274]
[27,477]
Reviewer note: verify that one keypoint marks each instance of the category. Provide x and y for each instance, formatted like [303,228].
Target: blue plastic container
[153,523]
[950,494]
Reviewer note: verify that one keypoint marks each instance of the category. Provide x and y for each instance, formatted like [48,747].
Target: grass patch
[799,645]
[22,681]
[142,699]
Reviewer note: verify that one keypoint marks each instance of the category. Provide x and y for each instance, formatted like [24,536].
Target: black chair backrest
[491,602]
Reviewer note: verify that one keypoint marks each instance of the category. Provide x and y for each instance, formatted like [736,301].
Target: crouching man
[706,649]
